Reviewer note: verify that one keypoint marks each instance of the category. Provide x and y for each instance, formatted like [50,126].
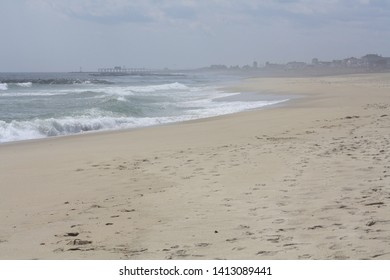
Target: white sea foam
[154,88]
[27,84]
[3,86]
[95,120]
[211,109]
[121,98]
[173,87]
[165,89]
[41,128]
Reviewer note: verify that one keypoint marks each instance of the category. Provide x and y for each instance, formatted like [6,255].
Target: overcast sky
[59,35]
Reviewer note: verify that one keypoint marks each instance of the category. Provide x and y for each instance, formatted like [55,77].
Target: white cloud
[106,11]
[198,13]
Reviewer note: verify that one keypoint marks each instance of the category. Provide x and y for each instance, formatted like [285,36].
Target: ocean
[40,105]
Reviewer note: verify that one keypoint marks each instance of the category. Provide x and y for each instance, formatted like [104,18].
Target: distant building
[269,65]
[351,62]
[295,65]
[337,63]
[374,61]
[218,67]
[371,62]
[235,67]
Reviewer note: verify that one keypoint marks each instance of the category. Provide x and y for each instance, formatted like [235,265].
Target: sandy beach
[309,179]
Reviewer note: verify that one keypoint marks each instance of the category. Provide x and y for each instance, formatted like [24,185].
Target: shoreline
[308,180]
[238,96]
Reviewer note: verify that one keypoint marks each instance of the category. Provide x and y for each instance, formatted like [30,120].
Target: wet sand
[309,180]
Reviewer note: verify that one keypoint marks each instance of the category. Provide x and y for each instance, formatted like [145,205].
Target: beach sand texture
[306,180]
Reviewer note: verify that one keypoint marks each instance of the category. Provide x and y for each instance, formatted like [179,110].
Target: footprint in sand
[266,253]
[202,245]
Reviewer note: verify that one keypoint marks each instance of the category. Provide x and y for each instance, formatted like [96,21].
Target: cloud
[212,16]
[300,13]
[106,11]
[310,14]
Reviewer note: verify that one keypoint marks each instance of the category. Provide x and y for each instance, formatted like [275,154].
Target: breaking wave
[95,120]
[154,88]
[46,105]
[42,128]
[3,86]
[171,88]
[26,84]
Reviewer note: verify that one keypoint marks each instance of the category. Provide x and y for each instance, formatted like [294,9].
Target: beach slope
[309,179]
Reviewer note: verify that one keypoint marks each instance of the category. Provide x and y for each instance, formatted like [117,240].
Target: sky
[59,35]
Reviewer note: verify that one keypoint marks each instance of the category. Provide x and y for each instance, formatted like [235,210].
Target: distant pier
[118,70]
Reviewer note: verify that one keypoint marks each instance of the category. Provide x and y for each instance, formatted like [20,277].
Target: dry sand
[310,180]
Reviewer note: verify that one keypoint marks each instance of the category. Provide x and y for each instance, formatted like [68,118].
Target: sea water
[39,105]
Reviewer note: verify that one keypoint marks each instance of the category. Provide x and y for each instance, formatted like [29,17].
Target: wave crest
[154,88]
[26,84]
[3,86]
[94,120]
[91,121]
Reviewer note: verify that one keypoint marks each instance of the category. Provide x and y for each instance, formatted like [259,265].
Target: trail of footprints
[269,235]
